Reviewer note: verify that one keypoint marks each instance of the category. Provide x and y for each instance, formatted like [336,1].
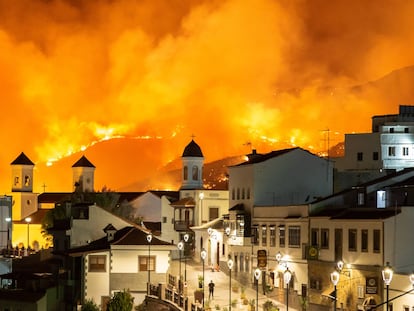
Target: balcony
[182,225]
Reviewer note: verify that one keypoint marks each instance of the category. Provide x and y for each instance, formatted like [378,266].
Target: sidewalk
[221,290]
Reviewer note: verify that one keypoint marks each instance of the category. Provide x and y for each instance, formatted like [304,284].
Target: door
[338,245]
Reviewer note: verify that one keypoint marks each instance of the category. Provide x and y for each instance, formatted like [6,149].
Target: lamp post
[257,274]
[287,275]
[203,255]
[230,265]
[186,238]
[149,239]
[180,248]
[28,220]
[387,278]
[335,280]
[278,257]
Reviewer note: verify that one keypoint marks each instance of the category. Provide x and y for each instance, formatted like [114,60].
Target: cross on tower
[44,187]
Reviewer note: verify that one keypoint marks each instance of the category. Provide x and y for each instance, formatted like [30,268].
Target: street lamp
[412,279]
[287,275]
[278,257]
[257,274]
[230,265]
[186,238]
[180,246]
[28,220]
[387,278]
[149,239]
[203,255]
[335,280]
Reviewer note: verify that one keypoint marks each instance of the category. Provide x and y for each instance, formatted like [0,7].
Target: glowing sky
[229,71]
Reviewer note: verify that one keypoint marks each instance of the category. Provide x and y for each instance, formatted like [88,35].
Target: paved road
[221,292]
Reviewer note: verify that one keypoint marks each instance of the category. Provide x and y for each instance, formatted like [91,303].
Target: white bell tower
[83,175]
[192,169]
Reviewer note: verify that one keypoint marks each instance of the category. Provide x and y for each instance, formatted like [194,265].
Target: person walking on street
[211,290]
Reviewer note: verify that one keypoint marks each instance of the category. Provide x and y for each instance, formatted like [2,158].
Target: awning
[329,292]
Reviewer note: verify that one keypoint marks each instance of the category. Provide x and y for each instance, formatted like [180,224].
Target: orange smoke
[273,73]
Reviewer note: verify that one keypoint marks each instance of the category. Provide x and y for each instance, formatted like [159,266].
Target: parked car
[367,304]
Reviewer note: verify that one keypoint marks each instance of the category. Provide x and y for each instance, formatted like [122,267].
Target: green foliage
[90,305]
[269,306]
[121,301]
[59,212]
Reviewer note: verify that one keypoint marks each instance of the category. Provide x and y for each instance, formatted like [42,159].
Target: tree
[121,301]
[90,305]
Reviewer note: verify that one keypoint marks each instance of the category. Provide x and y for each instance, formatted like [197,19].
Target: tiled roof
[83,162]
[22,159]
[125,236]
[257,158]
[36,217]
[53,197]
[184,202]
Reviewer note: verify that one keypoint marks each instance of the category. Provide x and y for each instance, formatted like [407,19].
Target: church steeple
[22,174]
[83,175]
[192,169]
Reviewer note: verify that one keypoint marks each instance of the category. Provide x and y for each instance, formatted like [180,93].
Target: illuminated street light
[257,274]
[203,255]
[335,280]
[287,275]
[149,239]
[412,279]
[279,257]
[230,265]
[387,274]
[180,246]
[340,265]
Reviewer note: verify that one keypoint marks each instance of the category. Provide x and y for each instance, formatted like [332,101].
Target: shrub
[90,305]
[121,301]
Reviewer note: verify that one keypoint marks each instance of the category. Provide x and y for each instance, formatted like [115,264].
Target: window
[240,225]
[143,263]
[364,240]
[195,172]
[405,151]
[272,236]
[360,156]
[255,235]
[294,236]
[243,193]
[325,238]
[185,173]
[352,239]
[238,193]
[377,240]
[361,198]
[375,156]
[381,198]
[27,181]
[314,236]
[282,236]
[233,194]
[164,220]
[264,235]
[391,130]
[391,151]
[213,213]
[406,130]
[97,263]
[16,180]
[248,194]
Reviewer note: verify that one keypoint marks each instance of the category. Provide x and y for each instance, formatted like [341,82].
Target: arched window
[243,194]
[233,194]
[185,172]
[195,172]
[248,193]
[238,193]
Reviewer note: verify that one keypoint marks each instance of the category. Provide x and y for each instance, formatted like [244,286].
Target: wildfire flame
[75,73]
